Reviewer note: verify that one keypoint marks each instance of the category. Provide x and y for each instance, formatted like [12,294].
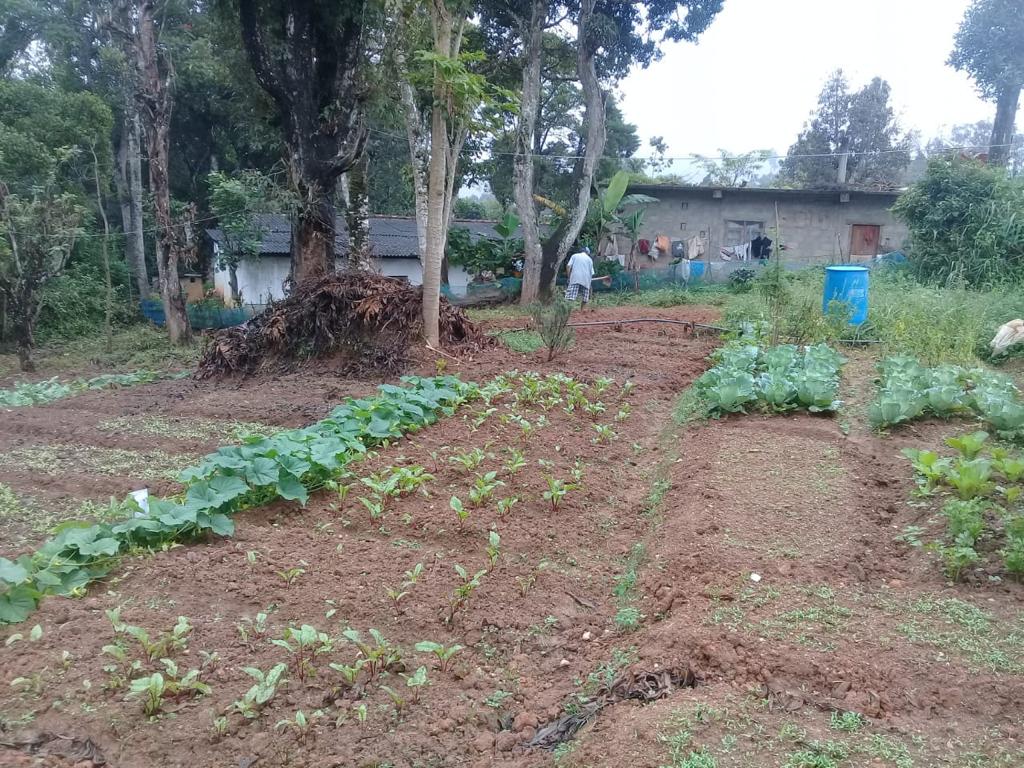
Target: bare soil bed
[753,557]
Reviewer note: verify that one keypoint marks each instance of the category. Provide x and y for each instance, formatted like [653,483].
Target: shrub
[965,224]
[552,323]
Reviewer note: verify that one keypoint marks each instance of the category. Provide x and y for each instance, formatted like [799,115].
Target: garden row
[983,492]
[287,465]
[40,392]
[907,391]
[780,378]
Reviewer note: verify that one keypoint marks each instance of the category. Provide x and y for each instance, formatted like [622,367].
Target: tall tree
[989,46]
[729,170]
[156,100]
[610,38]
[306,55]
[852,139]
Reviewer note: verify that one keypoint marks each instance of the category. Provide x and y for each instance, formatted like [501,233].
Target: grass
[963,630]
[135,347]
[524,342]
[183,428]
[55,460]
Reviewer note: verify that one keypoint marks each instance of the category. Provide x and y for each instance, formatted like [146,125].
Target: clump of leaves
[299,723]
[460,596]
[469,460]
[557,490]
[505,505]
[443,653]
[416,682]
[252,629]
[379,654]
[493,548]
[154,688]
[971,478]
[970,445]
[516,461]
[165,644]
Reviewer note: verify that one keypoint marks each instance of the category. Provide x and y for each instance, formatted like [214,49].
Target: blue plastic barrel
[697,270]
[849,285]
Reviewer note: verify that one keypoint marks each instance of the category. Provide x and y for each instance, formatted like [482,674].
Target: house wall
[814,227]
[263,279]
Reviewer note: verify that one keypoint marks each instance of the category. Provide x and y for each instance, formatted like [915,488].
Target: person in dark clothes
[760,247]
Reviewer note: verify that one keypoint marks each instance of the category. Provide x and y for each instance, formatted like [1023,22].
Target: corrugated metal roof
[390,236]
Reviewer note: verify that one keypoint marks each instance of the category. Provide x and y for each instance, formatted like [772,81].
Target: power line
[659,158]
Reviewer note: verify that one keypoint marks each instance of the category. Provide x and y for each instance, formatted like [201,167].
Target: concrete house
[393,241]
[817,227]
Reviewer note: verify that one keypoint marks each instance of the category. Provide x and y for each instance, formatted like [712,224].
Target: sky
[754,76]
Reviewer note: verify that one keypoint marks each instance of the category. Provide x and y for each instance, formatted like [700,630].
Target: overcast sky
[754,76]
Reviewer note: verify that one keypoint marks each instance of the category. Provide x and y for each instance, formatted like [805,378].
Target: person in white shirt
[580,270]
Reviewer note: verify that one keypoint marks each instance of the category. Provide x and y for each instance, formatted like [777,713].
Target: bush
[552,323]
[965,224]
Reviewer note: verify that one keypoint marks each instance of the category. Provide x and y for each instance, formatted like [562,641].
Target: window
[684,205]
[737,232]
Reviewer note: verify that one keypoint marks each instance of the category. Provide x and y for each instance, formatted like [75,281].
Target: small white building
[393,242]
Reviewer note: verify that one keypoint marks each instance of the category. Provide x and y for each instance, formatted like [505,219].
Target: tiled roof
[390,236]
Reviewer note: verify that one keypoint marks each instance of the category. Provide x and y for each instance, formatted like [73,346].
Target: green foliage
[500,255]
[524,342]
[847,721]
[965,224]
[443,653]
[907,390]
[287,465]
[262,691]
[551,321]
[39,392]
[776,378]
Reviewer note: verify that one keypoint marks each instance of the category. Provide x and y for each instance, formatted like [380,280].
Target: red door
[864,239]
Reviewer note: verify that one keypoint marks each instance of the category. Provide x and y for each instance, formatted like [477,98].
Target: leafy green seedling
[252,629]
[379,656]
[516,461]
[601,385]
[484,487]
[970,478]
[375,505]
[413,576]
[968,445]
[299,723]
[928,465]
[349,673]
[493,548]
[469,460]
[460,596]
[846,721]
[291,575]
[594,409]
[416,681]
[396,595]
[460,510]
[443,653]
[304,644]
[958,556]
[605,434]
[624,412]
[263,691]
[557,489]
[505,505]
[396,698]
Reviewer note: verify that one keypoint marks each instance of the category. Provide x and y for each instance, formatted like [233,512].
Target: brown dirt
[810,510]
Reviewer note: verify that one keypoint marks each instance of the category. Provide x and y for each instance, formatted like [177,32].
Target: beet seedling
[459,509]
[349,673]
[163,645]
[601,385]
[123,670]
[375,505]
[623,414]
[505,505]
[291,575]
[395,595]
[299,723]
[594,409]
[484,487]
[469,460]
[379,656]
[516,461]
[153,688]
[304,644]
[460,597]
[493,548]
[443,653]
[557,489]
[415,682]
[605,433]
[256,629]
[396,698]
[263,691]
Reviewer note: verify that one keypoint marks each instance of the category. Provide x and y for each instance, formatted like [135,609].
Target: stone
[505,741]
[483,742]
[525,720]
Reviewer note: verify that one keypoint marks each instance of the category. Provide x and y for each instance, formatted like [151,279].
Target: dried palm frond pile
[368,319]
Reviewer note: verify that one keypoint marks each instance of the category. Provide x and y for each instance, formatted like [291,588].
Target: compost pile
[369,320]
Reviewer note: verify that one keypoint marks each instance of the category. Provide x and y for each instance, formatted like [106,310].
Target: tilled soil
[757,553]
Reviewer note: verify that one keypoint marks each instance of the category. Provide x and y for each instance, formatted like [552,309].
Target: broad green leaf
[261,471]
[16,605]
[291,488]
[11,572]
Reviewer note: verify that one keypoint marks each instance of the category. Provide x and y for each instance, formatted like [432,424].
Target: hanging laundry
[662,247]
[695,248]
[644,246]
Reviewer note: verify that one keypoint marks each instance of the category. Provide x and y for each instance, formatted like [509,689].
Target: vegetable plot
[907,391]
[39,392]
[781,378]
[983,495]
[288,465]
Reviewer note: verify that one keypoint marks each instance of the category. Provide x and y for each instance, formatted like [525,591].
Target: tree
[237,201]
[989,46]
[307,56]
[733,170]
[851,140]
[965,223]
[610,39]
[973,139]
[156,101]
[37,234]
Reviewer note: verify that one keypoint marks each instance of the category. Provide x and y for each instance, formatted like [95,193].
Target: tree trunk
[128,179]
[437,184]
[1002,128]
[156,110]
[105,253]
[523,167]
[357,216]
[313,241]
[557,246]
[236,296]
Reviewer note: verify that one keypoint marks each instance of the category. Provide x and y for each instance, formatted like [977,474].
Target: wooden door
[864,239]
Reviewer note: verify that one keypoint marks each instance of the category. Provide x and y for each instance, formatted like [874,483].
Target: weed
[818,755]
[846,721]
[497,699]
[523,342]
[627,618]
